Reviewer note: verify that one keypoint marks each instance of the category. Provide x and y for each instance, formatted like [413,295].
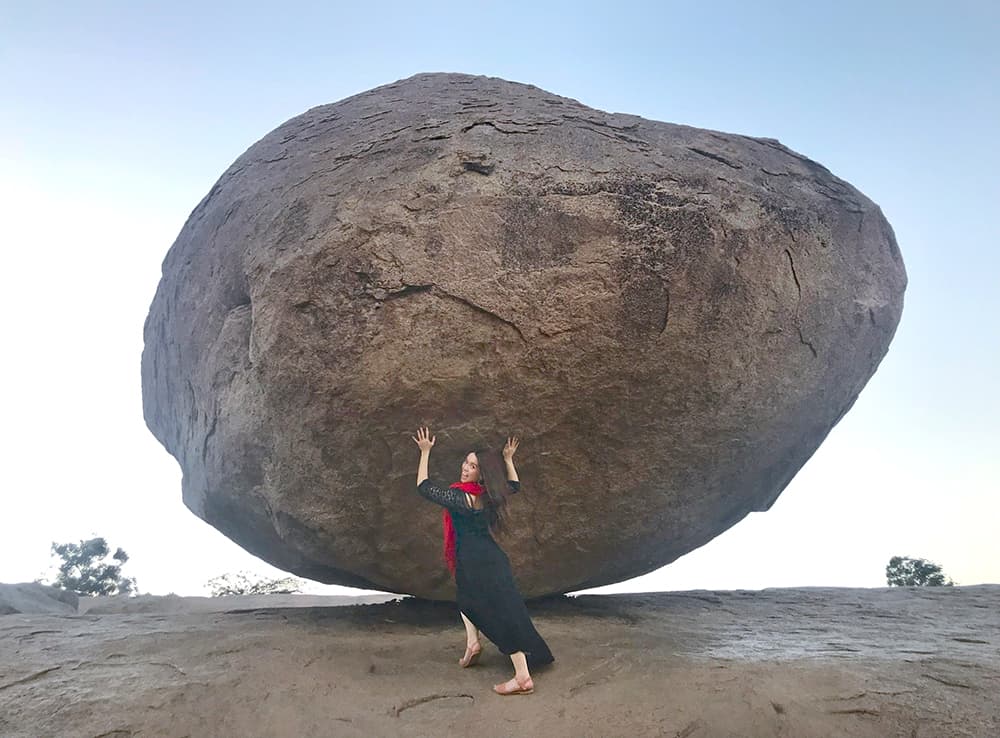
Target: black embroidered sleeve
[453,499]
[514,486]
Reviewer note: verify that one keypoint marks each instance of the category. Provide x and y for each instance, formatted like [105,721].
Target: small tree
[84,568]
[903,571]
[242,584]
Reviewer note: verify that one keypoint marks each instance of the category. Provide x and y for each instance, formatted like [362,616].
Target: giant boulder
[671,318]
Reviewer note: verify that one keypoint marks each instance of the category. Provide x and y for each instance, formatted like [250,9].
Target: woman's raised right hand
[424,439]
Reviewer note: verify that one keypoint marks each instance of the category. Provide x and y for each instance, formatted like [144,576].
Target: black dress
[487,593]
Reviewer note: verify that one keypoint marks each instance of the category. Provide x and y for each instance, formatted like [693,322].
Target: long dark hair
[493,478]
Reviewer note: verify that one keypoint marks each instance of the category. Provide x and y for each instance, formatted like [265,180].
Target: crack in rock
[481,309]
[688,729]
[430,698]
[29,678]
[715,157]
[798,302]
[947,682]
[478,167]
[493,125]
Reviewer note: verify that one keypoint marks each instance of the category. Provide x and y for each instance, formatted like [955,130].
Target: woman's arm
[511,472]
[452,499]
[425,442]
[449,498]
[508,457]
[422,474]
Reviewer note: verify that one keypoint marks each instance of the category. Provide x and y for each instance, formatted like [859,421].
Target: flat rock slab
[160,604]
[793,662]
[31,597]
[672,319]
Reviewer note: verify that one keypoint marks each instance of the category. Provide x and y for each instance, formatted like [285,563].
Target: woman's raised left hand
[510,448]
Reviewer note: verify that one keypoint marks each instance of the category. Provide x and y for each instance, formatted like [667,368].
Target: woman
[488,598]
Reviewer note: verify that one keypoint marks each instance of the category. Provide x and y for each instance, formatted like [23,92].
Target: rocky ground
[919,663]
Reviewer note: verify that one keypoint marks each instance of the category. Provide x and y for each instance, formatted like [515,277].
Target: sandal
[505,689]
[470,657]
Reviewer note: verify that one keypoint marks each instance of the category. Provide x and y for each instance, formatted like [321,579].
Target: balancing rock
[672,319]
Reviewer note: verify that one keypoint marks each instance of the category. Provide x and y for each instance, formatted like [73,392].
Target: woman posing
[488,598]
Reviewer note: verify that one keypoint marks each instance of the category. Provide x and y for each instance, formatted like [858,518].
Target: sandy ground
[919,663]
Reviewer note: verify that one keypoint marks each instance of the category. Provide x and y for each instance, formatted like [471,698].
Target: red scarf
[473,488]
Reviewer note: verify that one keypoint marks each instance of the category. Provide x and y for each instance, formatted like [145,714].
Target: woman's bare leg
[472,644]
[471,632]
[522,681]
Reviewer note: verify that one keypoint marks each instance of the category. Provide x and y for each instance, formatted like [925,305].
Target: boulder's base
[791,662]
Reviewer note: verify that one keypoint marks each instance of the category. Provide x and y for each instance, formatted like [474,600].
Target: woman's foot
[471,655]
[515,686]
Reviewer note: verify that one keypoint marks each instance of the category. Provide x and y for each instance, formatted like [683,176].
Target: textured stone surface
[804,663]
[671,318]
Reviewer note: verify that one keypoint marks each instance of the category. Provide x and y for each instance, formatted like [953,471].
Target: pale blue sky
[118,117]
